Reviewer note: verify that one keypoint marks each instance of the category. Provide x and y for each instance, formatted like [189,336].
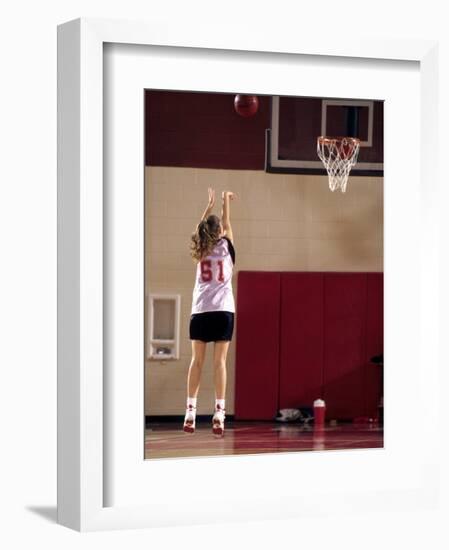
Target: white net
[339,155]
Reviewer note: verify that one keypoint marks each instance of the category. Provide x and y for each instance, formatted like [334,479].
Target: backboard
[296,122]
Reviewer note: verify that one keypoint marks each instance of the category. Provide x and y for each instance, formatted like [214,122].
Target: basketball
[246,105]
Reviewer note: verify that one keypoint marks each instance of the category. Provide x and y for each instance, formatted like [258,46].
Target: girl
[213,307]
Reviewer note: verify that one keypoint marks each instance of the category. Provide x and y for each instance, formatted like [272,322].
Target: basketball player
[213,307]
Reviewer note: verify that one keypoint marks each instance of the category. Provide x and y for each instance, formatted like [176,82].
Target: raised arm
[226,214]
[210,204]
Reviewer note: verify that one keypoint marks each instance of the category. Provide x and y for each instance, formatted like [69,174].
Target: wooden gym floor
[167,440]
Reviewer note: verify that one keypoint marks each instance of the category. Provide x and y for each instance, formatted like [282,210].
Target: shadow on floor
[47,512]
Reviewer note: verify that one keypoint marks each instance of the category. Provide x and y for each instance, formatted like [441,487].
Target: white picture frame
[82,397]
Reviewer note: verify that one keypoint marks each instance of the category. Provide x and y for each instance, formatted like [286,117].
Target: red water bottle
[319,413]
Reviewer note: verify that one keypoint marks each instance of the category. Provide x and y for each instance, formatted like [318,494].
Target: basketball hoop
[339,155]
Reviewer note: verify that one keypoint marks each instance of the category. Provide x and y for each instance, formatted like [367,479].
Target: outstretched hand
[230,194]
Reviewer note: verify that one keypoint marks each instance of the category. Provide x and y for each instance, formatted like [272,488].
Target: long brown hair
[205,237]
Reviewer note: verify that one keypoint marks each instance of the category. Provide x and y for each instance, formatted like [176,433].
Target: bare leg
[196,367]
[193,383]
[220,353]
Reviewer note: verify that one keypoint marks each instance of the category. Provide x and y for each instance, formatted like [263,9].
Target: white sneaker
[189,420]
[218,421]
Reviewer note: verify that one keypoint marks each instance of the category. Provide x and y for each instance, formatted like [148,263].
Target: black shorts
[212,326]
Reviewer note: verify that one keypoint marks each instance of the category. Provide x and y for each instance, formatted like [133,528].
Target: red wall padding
[302,344]
[374,342]
[300,336]
[344,352]
[257,345]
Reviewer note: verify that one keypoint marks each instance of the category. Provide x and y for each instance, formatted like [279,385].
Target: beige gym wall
[280,223]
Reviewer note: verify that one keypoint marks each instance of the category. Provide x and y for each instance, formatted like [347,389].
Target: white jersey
[213,281]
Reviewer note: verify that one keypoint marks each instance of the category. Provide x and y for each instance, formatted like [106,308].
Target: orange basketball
[246,105]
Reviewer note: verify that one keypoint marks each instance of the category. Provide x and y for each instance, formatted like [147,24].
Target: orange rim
[338,139]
